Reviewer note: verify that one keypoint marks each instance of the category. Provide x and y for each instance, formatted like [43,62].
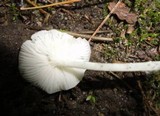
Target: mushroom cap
[38,60]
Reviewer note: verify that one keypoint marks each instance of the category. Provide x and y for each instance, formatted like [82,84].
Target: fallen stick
[88,36]
[49,5]
[47,15]
[104,20]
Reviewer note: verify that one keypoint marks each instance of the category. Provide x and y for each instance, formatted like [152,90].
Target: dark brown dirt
[117,97]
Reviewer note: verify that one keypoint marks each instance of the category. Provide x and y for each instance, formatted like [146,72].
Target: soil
[115,94]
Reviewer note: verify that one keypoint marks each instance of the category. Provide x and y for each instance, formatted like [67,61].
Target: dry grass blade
[47,15]
[50,5]
[105,20]
[91,32]
[88,36]
[33,4]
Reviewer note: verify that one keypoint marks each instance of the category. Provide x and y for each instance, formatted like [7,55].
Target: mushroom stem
[115,67]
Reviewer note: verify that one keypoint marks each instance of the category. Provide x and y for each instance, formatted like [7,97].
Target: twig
[88,36]
[33,4]
[149,105]
[47,15]
[149,43]
[105,20]
[115,75]
[49,5]
[119,78]
[90,32]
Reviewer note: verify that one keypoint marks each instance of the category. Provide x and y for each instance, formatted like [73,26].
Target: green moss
[148,23]
[14,11]
[110,53]
[149,13]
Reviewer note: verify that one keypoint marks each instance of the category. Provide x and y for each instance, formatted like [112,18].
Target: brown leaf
[123,12]
[130,29]
[131,18]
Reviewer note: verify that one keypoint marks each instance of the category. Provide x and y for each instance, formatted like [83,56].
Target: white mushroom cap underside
[36,60]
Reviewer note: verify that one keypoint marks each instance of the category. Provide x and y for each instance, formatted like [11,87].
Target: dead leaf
[130,29]
[123,12]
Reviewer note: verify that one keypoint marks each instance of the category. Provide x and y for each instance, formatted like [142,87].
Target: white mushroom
[36,60]
[56,61]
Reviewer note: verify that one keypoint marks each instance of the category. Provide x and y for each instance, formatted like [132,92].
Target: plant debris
[123,12]
[115,93]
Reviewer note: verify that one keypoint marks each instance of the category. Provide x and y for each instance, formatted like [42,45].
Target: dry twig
[90,32]
[47,15]
[146,101]
[104,20]
[88,36]
[49,5]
